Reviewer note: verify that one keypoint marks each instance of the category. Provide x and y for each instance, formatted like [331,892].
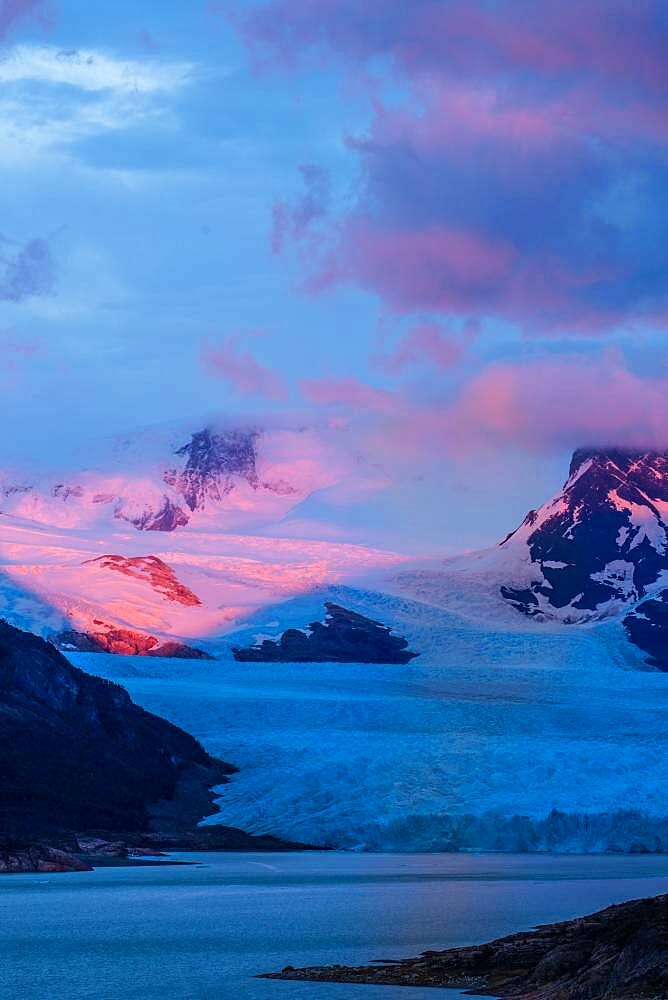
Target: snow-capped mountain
[165,480]
[601,542]
[591,552]
[172,535]
[103,557]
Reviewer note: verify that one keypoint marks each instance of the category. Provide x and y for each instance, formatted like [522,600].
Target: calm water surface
[201,932]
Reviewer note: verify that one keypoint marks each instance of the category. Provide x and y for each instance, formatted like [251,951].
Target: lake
[202,931]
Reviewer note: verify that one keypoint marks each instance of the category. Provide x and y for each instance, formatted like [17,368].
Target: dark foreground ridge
[85,772]
[344,637]
[76,753]
[620,953]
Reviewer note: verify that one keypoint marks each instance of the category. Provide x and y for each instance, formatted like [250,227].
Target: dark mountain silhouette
[344,637]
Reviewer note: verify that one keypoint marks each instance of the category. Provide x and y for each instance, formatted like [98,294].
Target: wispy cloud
[425,344]
[52,98]
[93,70]
[231,360]
[293,221]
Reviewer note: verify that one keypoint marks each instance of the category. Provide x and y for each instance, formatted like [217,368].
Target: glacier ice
[546,738]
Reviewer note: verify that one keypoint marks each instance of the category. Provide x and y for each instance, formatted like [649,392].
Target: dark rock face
[124,642]
[172,650]
[154,571]
[345,637]
[64,491]
[603,539]
[620,953]
[647,628]
[212,460]
[76,754]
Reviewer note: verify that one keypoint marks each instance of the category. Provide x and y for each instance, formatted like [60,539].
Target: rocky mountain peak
[601,542]
[212,460]
[646,471]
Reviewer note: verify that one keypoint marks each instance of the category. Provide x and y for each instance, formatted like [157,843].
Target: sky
[438,223]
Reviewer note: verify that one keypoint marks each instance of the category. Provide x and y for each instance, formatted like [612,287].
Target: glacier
[504,736]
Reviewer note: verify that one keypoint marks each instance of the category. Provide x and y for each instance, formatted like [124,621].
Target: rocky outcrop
[16,858]
[104,638]
[600,543]
[153,571]
[168,517]
[212,461]
[172,650]
[76,754]
[620,953]
[344,637]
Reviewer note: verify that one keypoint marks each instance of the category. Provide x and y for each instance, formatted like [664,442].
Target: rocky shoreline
[85,852]
[620,953]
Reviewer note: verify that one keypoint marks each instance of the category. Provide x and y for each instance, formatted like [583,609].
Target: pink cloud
[425,344]
[489,190]
[562,403]
[472,274]
[230,361]
[511,119]
[436,267]
[612,38]
[533,406]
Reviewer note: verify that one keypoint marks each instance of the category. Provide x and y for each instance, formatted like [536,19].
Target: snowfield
[473,745]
